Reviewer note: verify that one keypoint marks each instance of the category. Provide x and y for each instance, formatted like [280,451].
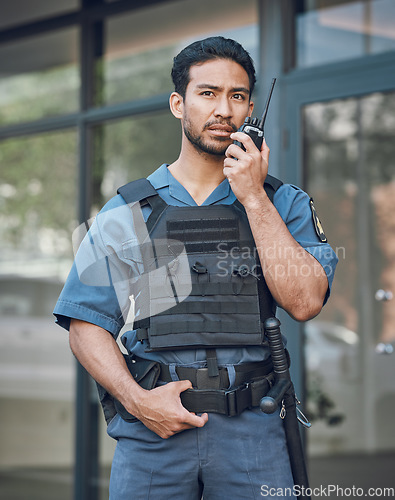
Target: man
[213,194]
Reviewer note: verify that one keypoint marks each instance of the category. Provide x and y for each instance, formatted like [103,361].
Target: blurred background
[84,88]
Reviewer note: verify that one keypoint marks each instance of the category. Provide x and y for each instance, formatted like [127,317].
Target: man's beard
[217,147]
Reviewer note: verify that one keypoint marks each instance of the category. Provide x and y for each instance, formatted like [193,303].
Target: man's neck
[199,173]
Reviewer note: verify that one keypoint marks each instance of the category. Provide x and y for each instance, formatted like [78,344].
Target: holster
[144,372]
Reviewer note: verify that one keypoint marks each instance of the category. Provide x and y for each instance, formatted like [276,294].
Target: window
[329,31]
[140,46]
[39,77]
[22,11]
[38,210]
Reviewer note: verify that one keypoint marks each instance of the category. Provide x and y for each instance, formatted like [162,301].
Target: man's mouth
[221,130]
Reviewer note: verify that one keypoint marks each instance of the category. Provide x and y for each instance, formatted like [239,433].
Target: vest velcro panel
[221,306]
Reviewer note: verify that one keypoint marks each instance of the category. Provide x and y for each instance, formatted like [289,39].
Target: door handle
[383,295]
[384,348]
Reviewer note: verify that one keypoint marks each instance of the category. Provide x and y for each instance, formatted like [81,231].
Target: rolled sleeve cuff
[65,311]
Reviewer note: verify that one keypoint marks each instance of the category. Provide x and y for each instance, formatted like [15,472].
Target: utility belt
[251,382]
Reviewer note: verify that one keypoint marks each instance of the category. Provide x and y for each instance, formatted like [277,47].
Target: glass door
[349,169]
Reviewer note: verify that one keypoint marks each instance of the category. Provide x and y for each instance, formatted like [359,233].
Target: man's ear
[250,109]
[176,102]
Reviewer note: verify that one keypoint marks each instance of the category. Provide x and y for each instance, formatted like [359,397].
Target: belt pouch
[107,403]
[145,373]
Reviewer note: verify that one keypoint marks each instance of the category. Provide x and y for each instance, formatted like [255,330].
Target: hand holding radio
[247,159]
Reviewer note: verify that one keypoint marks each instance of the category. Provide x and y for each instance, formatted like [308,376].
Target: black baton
[283,393]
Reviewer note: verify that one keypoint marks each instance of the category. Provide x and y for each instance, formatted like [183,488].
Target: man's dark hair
[216,47]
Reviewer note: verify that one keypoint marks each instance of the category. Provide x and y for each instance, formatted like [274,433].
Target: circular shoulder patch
[317,223]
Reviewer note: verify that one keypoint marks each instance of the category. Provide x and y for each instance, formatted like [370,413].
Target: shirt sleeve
[98,287]
[294,207]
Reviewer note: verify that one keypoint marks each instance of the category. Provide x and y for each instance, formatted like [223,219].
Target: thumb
[265,151]
[183,385]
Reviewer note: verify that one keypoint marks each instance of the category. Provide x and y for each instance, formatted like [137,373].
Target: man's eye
[239,97]
[207,92]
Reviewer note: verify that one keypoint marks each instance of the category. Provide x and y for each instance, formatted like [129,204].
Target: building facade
[84,88]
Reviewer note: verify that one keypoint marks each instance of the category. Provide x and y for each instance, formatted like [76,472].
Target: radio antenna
[262,121]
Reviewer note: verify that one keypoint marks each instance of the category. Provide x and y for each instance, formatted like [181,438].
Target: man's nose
[223,108]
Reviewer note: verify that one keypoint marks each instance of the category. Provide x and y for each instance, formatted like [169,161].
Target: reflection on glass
[132,148]
[349,151]
[17,13]
[38,212]
[141,45]
[330,31]
[39,77]
[38,204]
[331,154]
[378,129]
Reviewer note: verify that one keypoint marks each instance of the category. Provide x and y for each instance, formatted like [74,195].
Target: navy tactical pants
[242,457]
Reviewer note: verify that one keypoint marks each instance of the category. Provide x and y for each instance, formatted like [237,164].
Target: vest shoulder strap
[271,185]
[137,190]
[273,182]
[143,191]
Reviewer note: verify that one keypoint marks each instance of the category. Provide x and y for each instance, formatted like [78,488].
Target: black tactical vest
[203,285]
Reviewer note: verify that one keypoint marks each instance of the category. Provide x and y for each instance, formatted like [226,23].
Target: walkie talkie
[255,127]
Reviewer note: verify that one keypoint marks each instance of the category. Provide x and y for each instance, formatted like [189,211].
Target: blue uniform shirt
[101,294]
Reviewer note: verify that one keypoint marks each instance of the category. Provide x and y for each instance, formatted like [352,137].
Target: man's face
[215,105]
